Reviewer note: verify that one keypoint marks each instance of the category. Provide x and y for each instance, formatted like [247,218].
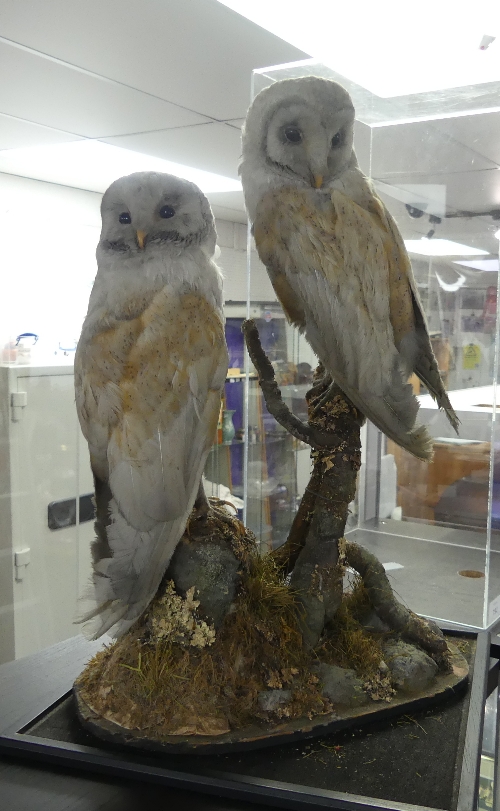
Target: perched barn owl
[149,369]
[335,256]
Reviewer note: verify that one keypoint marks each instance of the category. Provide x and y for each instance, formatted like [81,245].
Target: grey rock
[372,622]
[433,626]
[318,585]
[270,700]
[341,686]
[411,669]
[214,571]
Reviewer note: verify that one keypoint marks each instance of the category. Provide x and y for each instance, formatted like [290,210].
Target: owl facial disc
[313,145]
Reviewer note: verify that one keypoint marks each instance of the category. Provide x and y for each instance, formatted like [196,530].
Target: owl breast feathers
[149,369]
[335,256]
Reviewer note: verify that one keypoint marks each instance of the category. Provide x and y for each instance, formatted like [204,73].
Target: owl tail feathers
[426,368]
[123,585]
[101,618]
[444,403]
[416,440]
[100,611]
[394,415]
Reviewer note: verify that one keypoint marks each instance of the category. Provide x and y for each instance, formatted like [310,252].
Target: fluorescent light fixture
[441,247]
[481,264]
[93,165]
[497,234]
[451,287]
[383,47]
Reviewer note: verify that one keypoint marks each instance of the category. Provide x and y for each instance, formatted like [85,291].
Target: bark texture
[316,552]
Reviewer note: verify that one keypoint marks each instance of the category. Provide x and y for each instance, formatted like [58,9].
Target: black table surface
[35,786]
[40,787]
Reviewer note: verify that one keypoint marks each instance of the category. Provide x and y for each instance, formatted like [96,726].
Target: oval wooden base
[261,735]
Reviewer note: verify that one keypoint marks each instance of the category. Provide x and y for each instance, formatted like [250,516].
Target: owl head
[300,130]
[149,210]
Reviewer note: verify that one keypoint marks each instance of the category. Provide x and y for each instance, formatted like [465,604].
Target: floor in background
[430,559]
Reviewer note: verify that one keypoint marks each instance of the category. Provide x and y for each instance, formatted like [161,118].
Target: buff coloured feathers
[149,369]
[335,256]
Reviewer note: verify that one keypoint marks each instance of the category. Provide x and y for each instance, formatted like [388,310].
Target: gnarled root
[399,618]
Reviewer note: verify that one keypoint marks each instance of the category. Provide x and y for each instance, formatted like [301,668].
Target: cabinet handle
[18,401]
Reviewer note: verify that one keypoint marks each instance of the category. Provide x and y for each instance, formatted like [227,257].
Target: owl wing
[330,268]
[415,344]
[149,428]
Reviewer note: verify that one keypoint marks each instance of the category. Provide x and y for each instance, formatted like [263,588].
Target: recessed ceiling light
[93,165]
[481,264]
[441,247]
[377,47]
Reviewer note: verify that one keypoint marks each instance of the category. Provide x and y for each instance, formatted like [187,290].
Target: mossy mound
[175,674]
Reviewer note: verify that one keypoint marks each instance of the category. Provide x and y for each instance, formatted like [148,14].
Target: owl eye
[166,212]
[293,134]
[125,218]
[337,139]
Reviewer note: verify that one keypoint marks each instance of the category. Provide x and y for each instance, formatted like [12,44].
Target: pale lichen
[175,619]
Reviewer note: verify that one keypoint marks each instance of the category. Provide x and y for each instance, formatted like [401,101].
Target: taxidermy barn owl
[149,370]
[335,256]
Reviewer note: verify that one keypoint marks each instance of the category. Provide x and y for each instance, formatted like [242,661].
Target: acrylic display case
[433,159]
[436,527]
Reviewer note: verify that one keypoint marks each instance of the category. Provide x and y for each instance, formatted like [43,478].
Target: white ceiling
[168,78]
[171,78]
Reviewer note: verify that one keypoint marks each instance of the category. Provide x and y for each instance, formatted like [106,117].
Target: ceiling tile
[14,133]
[48,93]
[212,147]
[198,54]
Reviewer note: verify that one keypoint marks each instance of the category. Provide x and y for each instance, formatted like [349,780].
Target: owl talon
[324,399]
[320,386]
[201,506]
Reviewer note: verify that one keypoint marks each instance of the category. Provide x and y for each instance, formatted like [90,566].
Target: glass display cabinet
[433,159]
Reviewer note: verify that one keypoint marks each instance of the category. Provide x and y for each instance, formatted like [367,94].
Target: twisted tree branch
[311,552]
[272,395]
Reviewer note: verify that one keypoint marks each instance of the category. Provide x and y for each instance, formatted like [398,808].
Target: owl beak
[141,236]
[318,181]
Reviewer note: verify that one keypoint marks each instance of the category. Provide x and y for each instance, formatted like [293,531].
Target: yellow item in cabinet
[471,356]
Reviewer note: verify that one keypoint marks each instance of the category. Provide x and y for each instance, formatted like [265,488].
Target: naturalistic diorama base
[221,665]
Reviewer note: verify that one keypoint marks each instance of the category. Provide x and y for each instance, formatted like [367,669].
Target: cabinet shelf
[241,442]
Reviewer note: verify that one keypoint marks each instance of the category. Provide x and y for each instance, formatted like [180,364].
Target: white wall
[48,235]
[232,239]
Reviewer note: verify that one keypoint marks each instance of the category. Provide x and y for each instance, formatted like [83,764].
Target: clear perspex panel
[433,159]
[434,153]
